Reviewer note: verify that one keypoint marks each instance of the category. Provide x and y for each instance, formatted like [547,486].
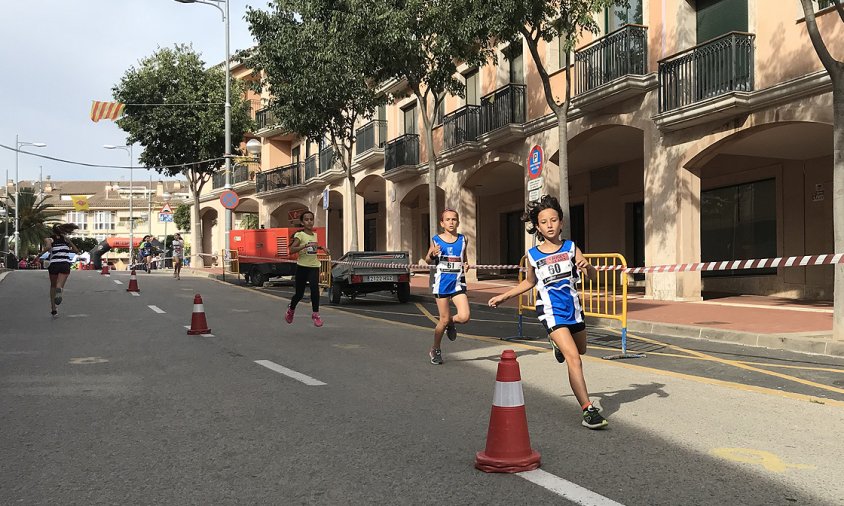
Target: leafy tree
[422,42]
[175,111]
[836,74]
[319,77]
[544,20]
[34,215]
[249,222]
[85,243]
[182,217]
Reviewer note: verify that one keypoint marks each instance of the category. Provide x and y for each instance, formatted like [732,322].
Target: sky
[59,55]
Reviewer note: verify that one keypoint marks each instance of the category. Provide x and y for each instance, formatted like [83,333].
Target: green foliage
[85,243]
[34,215]
[182,217]
[249,222]
[177,135]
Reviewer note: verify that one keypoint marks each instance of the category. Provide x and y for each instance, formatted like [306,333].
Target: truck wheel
[403,292]
[334,293]
[257,278]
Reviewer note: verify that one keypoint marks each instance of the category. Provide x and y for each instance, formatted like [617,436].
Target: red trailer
[264,253]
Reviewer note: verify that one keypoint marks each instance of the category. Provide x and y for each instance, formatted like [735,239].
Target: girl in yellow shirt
[307,267]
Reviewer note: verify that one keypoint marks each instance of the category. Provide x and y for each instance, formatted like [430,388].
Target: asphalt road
[112,402]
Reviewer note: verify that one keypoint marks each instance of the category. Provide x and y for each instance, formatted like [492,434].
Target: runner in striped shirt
[60,247]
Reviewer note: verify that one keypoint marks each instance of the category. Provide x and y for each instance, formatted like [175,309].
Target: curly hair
[531,214]
[63,229]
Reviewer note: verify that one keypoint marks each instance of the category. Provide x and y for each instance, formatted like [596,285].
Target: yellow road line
[740,365]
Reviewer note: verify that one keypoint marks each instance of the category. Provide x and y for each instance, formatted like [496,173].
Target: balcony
[311,170]
[503,112]
[280,178]
[369,143]
[612,68]
[265,118]
[240,174]
[708,82]
[401,157]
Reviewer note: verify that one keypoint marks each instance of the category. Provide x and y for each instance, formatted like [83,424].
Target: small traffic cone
[198,325]
[507,442]
[104,272]
[133,282]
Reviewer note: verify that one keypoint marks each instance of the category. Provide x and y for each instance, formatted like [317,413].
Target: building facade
[698,130]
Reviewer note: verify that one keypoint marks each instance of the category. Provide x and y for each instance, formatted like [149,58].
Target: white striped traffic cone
[508,441]
[198,325]
[133,282]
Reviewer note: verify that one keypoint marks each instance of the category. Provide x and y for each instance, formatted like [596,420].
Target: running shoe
[317,320]
[451,331]
[436,356]
[557,353]
[593,419]
[58,298]
[289,316]
[54,312]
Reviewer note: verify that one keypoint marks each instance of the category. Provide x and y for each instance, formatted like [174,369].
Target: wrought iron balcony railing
[462,125]
[402,151]
[502,107]
[370,136]
[280,177]
[311,167]
[327,159]
[621,53]
[265,118]
[719,66]
[240,173]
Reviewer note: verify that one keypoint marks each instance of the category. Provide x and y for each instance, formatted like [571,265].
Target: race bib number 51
[450,264]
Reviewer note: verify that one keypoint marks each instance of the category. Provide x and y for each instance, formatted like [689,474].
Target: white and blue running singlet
[557,302]
[449,278]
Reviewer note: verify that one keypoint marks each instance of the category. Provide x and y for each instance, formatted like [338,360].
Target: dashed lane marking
[290,373]
[118,281]
[87,360]
[157,309]
[566,489]
[135,294]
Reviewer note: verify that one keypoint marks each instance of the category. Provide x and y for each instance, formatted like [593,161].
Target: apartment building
[108,206]
[698,130]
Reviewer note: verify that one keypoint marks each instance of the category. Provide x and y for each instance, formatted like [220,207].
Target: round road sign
[536,158]
[229,199]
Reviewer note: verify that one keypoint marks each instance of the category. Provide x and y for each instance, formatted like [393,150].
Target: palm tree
[33,220]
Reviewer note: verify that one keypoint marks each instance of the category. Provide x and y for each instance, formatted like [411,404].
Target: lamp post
[166,196]
[18,145]
[228,106]
[128,150]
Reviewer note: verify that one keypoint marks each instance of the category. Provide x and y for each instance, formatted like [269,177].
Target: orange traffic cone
[198,325]
[133,282]
[507,442]
[104,272]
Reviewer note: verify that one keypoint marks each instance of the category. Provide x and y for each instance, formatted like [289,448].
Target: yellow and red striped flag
[106,110]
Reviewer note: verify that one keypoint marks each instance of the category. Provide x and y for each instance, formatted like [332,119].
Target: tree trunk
[563,168]
[838,199]
[196,233]
[353,211]
[428,123]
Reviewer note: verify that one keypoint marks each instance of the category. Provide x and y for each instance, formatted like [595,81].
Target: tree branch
[830,64]
[540,68]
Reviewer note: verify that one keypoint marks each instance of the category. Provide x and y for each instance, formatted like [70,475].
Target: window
[104,220]
[79,218]
[739,222]
[823,4]
[410,121]
[514,54]
[718,17]
[473,96]
[618,16]
[295,156]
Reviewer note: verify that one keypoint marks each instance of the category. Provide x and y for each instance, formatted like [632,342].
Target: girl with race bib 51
[555,267]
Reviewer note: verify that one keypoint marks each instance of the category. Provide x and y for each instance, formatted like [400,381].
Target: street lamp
[18,145]
[166,196]
[128,149]
[228,105]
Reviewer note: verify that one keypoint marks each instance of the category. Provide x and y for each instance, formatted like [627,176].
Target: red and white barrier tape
[724,265]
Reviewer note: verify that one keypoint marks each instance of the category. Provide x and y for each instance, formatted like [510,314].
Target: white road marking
[290,373]
[564,488]
[77,316]
[136,294]
[157,309]
[118,281]
[200,335]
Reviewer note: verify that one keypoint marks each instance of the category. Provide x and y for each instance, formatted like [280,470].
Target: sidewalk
[803,326]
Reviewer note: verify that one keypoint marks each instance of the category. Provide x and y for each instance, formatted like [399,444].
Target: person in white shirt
[178,246]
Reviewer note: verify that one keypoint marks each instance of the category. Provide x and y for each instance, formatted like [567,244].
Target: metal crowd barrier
[606,297]
[324,271]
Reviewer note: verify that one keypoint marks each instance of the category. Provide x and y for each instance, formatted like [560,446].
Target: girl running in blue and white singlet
[448,252]
[554,267]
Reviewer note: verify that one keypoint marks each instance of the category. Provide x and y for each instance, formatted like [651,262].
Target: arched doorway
[767,192]
[415,232]
[245,214]
[209,218]
[373,191]
[499,191]
[287,215]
